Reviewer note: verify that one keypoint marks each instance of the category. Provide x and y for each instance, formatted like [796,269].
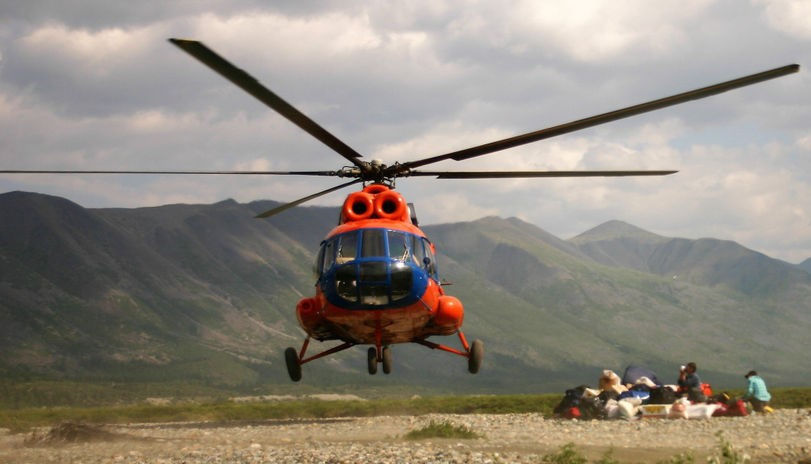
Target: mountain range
[206,294]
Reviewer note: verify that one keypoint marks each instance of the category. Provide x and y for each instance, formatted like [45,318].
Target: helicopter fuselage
[377,278]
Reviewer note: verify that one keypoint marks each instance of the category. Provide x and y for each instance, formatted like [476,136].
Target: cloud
[96,85]
[788,16]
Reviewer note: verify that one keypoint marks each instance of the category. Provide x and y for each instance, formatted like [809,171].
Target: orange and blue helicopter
[377,281]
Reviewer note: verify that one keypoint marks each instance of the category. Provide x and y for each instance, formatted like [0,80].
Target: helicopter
[377,278]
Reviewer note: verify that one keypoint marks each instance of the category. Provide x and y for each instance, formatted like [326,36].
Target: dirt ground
[781,437]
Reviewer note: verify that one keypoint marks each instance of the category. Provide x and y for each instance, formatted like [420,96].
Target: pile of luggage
[640,394]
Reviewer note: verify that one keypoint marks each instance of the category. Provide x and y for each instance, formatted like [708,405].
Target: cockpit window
[375,267]
[347,247]
[398,248]
[346,282]
[372,244]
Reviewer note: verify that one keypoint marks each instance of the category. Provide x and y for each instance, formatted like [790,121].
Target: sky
[94,84]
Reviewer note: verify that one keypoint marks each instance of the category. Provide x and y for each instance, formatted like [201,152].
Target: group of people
[756,392]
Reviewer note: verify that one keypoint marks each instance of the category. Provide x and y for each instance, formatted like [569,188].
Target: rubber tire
[386,360]
[293,366]
[371,360]
[474,361]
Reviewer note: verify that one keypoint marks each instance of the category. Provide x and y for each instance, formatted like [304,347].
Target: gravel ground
[784,436]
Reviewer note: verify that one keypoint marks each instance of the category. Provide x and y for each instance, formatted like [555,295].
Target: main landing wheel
[386,360]
[293,366]
[371,360]
[474,361]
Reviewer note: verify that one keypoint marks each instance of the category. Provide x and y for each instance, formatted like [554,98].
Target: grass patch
[22,419]
[444,429]
[567,454]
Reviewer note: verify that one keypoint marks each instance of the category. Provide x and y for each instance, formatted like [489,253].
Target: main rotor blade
[287,206]
[601,118]
[249,84]
[248,173]
[527,174]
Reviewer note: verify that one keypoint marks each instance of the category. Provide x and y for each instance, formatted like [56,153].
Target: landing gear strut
[382,354]
[295,360]
[474,353]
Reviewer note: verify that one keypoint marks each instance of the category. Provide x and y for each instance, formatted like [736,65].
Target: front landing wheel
[371,360]
[386,360]
[474,360]
[293,366]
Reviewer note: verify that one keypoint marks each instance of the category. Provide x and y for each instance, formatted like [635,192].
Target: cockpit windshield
[374,266]
[373,243]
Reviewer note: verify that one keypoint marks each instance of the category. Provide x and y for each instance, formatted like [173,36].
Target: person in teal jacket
[756,392]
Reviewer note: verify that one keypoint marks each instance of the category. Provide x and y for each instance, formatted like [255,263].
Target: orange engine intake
[391,205]
[375,201]
[358,206]
[450,312]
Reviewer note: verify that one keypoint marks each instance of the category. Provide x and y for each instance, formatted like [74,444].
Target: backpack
[592,408]
[662,395]
[570,399]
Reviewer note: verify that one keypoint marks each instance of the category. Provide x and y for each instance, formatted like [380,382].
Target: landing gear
[474,353]
[382,354]
[371,360]
[293,366]
[386,360]
[474,359]
[295,360]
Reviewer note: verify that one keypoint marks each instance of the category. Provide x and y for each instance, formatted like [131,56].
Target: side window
[329,254]
[318,266]
[417,253]
[347,247]
[429,253]
[372,244]
[398,248]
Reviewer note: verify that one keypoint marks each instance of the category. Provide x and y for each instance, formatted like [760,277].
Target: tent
[634,373]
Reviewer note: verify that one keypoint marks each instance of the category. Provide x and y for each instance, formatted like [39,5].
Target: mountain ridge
[206,293]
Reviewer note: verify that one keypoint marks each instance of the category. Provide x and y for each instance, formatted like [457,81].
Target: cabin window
[373,244]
